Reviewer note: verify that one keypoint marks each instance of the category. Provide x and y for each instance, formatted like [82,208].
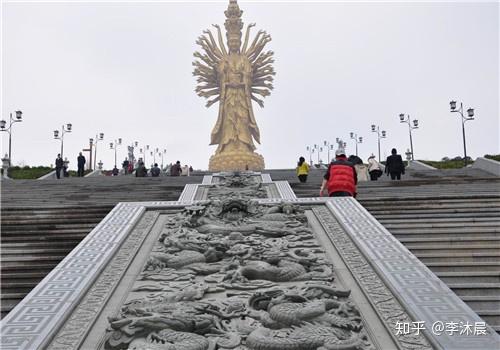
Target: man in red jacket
[340,179]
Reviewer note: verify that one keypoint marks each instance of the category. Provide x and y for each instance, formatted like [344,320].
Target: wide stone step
[19,285]
[451,241]
[438,230]
[493,214]
[29,229]
[444,235]
[23,267]
[482,302]
[34,252]
[60,219]
[461,256]
[52,237]
[43,213]
[29,259]
[469,277]
[463,266]
[475,289]
[492,318]
[423,208]
[68,243]
[445,220]
[444,249]
[390,225]
[23,275]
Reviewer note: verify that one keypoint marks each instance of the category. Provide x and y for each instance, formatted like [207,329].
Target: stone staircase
[35,240]
[42,221]
[450,220]
[457,238]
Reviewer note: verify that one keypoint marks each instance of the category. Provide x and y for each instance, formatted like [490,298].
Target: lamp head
[360,139]
[470,112]
[453,105]
[2,124]
[101,136]
[401,117]
[352,135]
[56,134]
[119,141]
[373,127]
[415,123]
[383,133]
[19,115]
[111,145]
[91,140]
[68,127]
[136,143]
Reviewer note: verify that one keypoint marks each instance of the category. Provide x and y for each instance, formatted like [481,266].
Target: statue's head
[233,25]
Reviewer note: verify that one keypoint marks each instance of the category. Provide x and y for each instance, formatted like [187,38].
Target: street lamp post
[357,140]
[329,148]
[162,154]
[341,144]
[319,150]
[114,145]
[145,152]
[141,152]
[131,157]
[64,129]
[380,135]
[406,119]
[470,116]
[98,137]
[310,150]
[3,123]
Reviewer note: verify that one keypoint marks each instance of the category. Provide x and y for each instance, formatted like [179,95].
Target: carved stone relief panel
[233,274]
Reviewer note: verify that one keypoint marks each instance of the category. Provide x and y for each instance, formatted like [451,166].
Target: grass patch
[446,164]
[493,157]
[26,172]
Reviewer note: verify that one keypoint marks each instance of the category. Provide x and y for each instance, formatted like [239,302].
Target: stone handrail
[489,165]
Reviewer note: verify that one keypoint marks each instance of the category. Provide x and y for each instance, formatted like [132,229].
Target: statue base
[236,161]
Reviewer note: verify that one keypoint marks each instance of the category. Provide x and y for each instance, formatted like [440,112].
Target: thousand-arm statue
[234,77]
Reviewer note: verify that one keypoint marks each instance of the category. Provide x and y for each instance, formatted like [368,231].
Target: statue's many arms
[234,77]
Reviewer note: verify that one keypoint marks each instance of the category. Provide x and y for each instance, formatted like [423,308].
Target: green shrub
[448,164]
[26,172]
[493,156]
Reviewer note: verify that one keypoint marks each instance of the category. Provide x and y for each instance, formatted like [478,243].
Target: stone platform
[388,285]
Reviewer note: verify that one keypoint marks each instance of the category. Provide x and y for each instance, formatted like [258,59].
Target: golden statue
[234,77]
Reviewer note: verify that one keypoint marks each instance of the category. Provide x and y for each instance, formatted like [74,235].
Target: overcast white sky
[124,68]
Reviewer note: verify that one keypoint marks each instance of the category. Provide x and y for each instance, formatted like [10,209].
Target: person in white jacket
[374,168]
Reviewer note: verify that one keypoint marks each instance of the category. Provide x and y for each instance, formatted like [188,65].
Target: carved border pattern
[381,298]
[425,297]
[31,323]
[74,329]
